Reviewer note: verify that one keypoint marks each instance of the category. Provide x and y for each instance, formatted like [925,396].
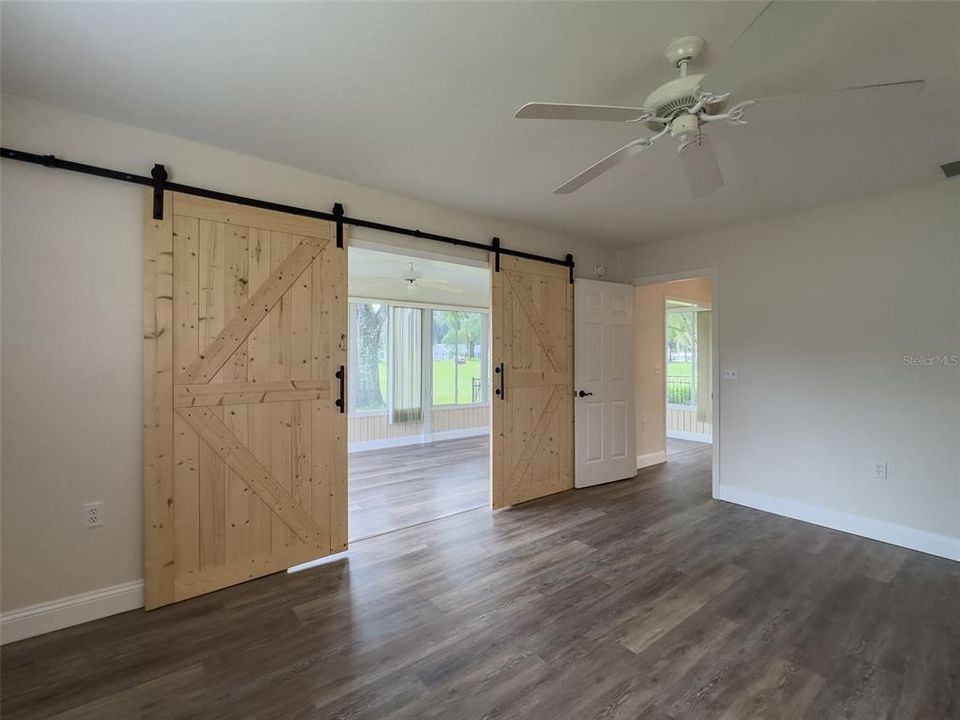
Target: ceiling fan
[683,107]
[410,279]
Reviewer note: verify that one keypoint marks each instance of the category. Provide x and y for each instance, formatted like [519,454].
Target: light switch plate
[729,373]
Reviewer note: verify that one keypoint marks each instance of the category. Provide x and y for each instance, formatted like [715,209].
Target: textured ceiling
[419,98]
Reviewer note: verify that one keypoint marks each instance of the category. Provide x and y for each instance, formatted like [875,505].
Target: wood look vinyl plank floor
[399,487]
[676,445]
[639,599]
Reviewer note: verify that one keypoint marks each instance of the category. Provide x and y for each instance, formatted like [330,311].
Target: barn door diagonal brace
[159,175]
[338,218]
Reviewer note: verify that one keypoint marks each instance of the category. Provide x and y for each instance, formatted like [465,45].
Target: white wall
[817,311]
[72,328]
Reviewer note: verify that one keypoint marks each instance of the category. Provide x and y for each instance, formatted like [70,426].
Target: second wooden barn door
[245,445]
[532,439]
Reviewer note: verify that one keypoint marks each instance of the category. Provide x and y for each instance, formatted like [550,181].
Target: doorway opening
[689,378]
[418,400]
[676,370]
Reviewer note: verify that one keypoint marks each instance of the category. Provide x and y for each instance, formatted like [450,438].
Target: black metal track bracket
[338,217]
[159,175]
[571,265]
[496,253]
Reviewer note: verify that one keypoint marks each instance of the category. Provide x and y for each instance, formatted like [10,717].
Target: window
[406,357]
[368,357]
[682,358]
[395,350]
[459,357]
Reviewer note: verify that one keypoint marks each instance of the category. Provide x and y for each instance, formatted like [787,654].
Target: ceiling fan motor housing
[676,96]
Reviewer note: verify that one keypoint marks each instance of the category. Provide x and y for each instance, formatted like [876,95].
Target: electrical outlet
[93,514]
[878,469]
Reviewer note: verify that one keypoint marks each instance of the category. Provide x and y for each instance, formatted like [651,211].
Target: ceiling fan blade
[700,167]
[561,111]
[914,85]
[780,26]
[614,158]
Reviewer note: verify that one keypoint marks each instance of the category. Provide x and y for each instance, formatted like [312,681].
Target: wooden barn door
[245,449]
[532,318]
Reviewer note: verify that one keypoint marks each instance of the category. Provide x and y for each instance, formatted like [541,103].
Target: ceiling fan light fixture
[410,278]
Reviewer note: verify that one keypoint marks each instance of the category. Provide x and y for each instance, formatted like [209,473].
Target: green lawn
[679,391]
[443,380]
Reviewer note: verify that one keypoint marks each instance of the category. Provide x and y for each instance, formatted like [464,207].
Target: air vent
[951,168]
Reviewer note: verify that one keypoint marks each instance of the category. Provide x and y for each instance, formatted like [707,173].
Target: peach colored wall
[650,345]
[695,290]
[650,388]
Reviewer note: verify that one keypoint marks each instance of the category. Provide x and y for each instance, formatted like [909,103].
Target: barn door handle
[500,391]
[341,375]
[584,394]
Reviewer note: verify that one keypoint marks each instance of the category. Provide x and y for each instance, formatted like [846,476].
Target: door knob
[584,394]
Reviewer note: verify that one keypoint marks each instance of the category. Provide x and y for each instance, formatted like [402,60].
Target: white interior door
[603,382]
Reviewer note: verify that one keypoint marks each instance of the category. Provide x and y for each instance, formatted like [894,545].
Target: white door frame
[714,275]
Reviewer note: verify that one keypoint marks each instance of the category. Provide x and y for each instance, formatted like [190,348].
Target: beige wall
[72,328]
[651,390]
[817,311]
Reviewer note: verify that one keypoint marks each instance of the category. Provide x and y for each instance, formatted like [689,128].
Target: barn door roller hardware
[159,174]
[338,214]
[159,182]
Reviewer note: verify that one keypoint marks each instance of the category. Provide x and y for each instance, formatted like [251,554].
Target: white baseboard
[422,439]
[926,542]
[684,435]
[73,610]
[654,458]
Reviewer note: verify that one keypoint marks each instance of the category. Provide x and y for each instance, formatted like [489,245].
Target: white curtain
[704,367]
[406,350]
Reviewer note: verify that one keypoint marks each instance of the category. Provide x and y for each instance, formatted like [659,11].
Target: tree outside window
[369,376]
